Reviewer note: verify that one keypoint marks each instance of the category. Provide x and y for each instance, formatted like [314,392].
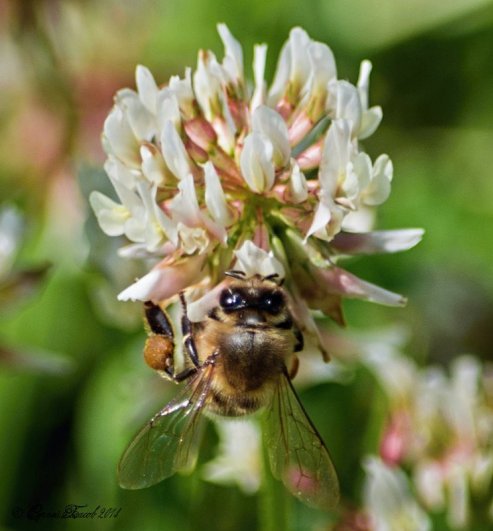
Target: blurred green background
[73,387]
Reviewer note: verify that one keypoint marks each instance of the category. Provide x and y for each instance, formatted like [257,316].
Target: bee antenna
[235,274]
[275,278]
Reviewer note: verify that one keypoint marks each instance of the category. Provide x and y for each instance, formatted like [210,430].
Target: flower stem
[273,500]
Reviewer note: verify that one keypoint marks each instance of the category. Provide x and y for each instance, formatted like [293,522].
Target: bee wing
[297,454]
[169,441]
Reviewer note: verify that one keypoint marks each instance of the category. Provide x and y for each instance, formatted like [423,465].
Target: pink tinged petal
[141,121]
[233,60]
[347,285]
[165,281]
[215,198]
[153,166]
[174,152]
[269,123]
[256,163]
[379,188]
[146,87]
[298,188]
[201,132]
[119,139]
[259,58]
[311,157]
[261,237]
[196,153]
[121,173]
[335,156]
[111,216]
[255,261]
[390,241]
[393,442]
[226,130]
[299,128]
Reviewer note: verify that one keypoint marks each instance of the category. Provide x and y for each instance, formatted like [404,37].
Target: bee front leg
[160,345]
[187,331]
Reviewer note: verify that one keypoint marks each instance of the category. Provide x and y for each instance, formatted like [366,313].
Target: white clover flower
[440,428]
[209,170]
[388,499]
[239,455]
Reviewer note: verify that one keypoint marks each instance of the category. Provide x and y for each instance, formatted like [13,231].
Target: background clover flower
[211,171]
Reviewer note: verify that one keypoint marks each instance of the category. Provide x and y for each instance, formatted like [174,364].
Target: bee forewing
[169,442]
[298,456]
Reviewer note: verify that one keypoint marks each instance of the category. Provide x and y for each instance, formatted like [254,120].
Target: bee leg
[157,320]
[300,343]
[187,330]
[160,344]
[293,370]
[183,375]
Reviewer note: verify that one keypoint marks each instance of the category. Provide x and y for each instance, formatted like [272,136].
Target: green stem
[273,500]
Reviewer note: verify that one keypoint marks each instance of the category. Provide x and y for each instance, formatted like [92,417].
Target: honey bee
[236,364]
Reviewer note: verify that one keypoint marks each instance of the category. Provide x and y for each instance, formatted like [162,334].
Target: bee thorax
[250,358]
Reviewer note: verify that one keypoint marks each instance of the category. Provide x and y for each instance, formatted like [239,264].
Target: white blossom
[238,460]
[207,165]
[388,499]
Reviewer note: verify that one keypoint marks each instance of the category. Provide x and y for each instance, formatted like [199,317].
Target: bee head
[253,301]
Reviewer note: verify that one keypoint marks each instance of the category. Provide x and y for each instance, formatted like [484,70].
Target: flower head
[210,170]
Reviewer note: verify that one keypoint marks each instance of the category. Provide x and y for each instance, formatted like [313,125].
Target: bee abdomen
[234,406]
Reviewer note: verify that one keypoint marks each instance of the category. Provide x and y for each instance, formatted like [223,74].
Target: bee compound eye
[230,300]
[272,302]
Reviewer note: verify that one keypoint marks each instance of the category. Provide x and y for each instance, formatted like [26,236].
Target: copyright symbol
[17,512]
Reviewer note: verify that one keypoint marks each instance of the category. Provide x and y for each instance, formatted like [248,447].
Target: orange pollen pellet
[158,352]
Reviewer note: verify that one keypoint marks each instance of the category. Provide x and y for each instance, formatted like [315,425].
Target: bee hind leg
[187,331]
[160,345]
